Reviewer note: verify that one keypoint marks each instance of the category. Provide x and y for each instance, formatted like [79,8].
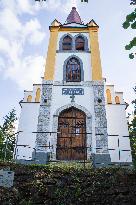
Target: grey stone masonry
[101,160]
[44,116]
[100,117]
[6,178]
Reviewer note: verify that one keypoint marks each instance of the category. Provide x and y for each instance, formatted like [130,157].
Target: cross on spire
[74,3]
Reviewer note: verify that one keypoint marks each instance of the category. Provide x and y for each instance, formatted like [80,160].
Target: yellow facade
[73,29]
[95,54]
[51,55]
[94,48]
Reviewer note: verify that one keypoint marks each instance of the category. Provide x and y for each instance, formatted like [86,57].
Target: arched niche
[37,97]
[29,98]
[108,93]
[117,100]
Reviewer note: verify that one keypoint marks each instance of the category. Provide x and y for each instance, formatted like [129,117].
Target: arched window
[67,43]
[37,98]
[29,98]
[73,70]
[117,100]
[109,101]
[80,43]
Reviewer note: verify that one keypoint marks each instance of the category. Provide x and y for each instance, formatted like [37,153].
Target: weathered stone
[100,117]
[6,178]
[44,117]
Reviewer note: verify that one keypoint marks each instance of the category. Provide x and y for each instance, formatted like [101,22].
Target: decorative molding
[47,82]
[59,110]
[83,83]
[72,51]
[29,102]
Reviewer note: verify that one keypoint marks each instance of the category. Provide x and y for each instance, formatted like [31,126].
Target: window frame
[71,66]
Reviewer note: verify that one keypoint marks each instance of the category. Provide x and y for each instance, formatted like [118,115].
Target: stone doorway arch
[88,128]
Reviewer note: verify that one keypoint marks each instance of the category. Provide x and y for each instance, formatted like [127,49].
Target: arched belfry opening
[71,137]
[80,43]
[67,43]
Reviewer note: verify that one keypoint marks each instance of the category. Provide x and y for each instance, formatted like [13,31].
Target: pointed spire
[73,17]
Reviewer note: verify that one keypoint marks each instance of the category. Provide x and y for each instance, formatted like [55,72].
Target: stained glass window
[73,71]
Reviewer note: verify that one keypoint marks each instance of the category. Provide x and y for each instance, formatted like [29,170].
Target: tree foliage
[7,136]
[133,2]
[132,131]
[130,22]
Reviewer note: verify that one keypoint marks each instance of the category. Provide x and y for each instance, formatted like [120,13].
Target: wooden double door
[71,137]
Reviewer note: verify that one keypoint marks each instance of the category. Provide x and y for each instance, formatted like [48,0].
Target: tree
[7,136]
[131,22]
[133,2]
[132,131]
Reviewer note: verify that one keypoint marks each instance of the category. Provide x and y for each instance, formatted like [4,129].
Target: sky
[24,37]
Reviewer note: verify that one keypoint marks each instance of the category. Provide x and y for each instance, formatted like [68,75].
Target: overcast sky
[24,37]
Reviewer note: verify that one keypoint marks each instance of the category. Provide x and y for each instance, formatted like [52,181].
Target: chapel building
[73,114]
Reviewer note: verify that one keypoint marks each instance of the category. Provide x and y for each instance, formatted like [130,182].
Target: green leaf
[131,17]
[127,47]
[133,2]
[133,25]
[131,44]
[126,25]
[131,56]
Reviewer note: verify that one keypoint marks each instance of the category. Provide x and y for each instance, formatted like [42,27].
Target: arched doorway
[71,137]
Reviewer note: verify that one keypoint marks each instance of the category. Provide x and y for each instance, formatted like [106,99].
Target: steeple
[73,17]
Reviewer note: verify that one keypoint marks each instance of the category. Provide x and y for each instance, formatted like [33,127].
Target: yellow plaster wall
[94,47]
[78,30]
[51,55]
[95,54]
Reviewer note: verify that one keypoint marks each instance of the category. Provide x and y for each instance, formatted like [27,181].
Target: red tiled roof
[73,17]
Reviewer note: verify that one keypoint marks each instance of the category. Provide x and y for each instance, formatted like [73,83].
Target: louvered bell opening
[80,43]
[67,43]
